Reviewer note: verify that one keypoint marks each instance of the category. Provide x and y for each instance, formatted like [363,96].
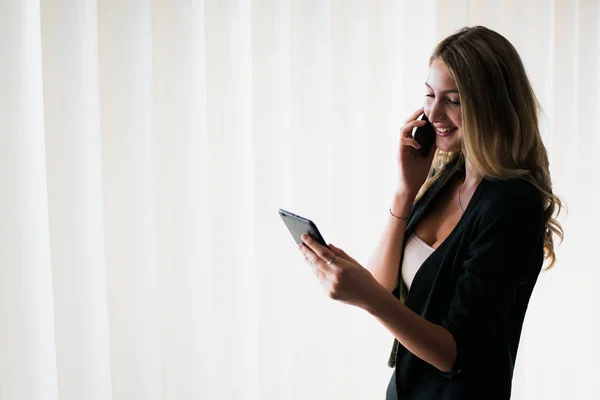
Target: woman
[468,230]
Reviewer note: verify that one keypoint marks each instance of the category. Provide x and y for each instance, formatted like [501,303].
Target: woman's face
[442,107]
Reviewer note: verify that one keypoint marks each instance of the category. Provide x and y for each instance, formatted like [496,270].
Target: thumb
[341,253]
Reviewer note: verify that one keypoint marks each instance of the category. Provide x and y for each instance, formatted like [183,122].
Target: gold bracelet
[397,217]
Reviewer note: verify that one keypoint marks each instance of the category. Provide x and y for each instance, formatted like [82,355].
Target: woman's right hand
[413,168]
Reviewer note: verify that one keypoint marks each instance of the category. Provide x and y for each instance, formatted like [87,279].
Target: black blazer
[476,284]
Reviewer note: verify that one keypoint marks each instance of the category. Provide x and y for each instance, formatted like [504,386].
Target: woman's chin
[447,144]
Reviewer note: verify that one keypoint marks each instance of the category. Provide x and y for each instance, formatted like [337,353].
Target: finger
[410,142]
[313,244]
[323,253]
[407,129]
[314,269]
[341,253]
[414,115]
[315,262]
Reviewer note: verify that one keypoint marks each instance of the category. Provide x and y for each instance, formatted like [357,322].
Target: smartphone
[298,226]
[424,135]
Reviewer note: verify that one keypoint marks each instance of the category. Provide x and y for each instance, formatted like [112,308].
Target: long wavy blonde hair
[501,137]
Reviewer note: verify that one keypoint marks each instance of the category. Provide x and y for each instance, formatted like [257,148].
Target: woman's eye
[454,103]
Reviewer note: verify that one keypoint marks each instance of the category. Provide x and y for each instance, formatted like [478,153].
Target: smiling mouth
[445,131]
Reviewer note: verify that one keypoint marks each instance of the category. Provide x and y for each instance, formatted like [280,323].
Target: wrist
[401,204]
[378,301]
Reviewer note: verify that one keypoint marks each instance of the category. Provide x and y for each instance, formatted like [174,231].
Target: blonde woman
[468,229]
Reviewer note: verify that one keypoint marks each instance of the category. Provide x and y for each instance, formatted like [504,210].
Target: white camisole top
[416,251]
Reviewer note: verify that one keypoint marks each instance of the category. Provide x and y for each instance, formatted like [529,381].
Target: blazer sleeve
[504,253]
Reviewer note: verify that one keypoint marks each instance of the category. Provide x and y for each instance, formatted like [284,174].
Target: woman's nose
[435,112]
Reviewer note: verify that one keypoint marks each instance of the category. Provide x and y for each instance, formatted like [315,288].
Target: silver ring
[331,261]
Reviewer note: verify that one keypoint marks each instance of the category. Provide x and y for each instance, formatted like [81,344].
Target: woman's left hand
[343,278]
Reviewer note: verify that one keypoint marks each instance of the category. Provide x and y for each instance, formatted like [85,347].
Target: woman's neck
[469,178]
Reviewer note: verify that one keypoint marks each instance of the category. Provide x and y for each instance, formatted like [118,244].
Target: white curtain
[147,145]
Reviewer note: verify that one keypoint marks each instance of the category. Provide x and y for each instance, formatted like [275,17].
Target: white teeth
[444,130]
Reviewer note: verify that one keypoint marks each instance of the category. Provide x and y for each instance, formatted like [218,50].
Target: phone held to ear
[298,226]
[424,135]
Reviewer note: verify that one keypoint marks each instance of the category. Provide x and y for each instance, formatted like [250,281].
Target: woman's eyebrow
[443,91]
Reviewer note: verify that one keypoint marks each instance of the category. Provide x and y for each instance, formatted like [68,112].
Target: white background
[147,145]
